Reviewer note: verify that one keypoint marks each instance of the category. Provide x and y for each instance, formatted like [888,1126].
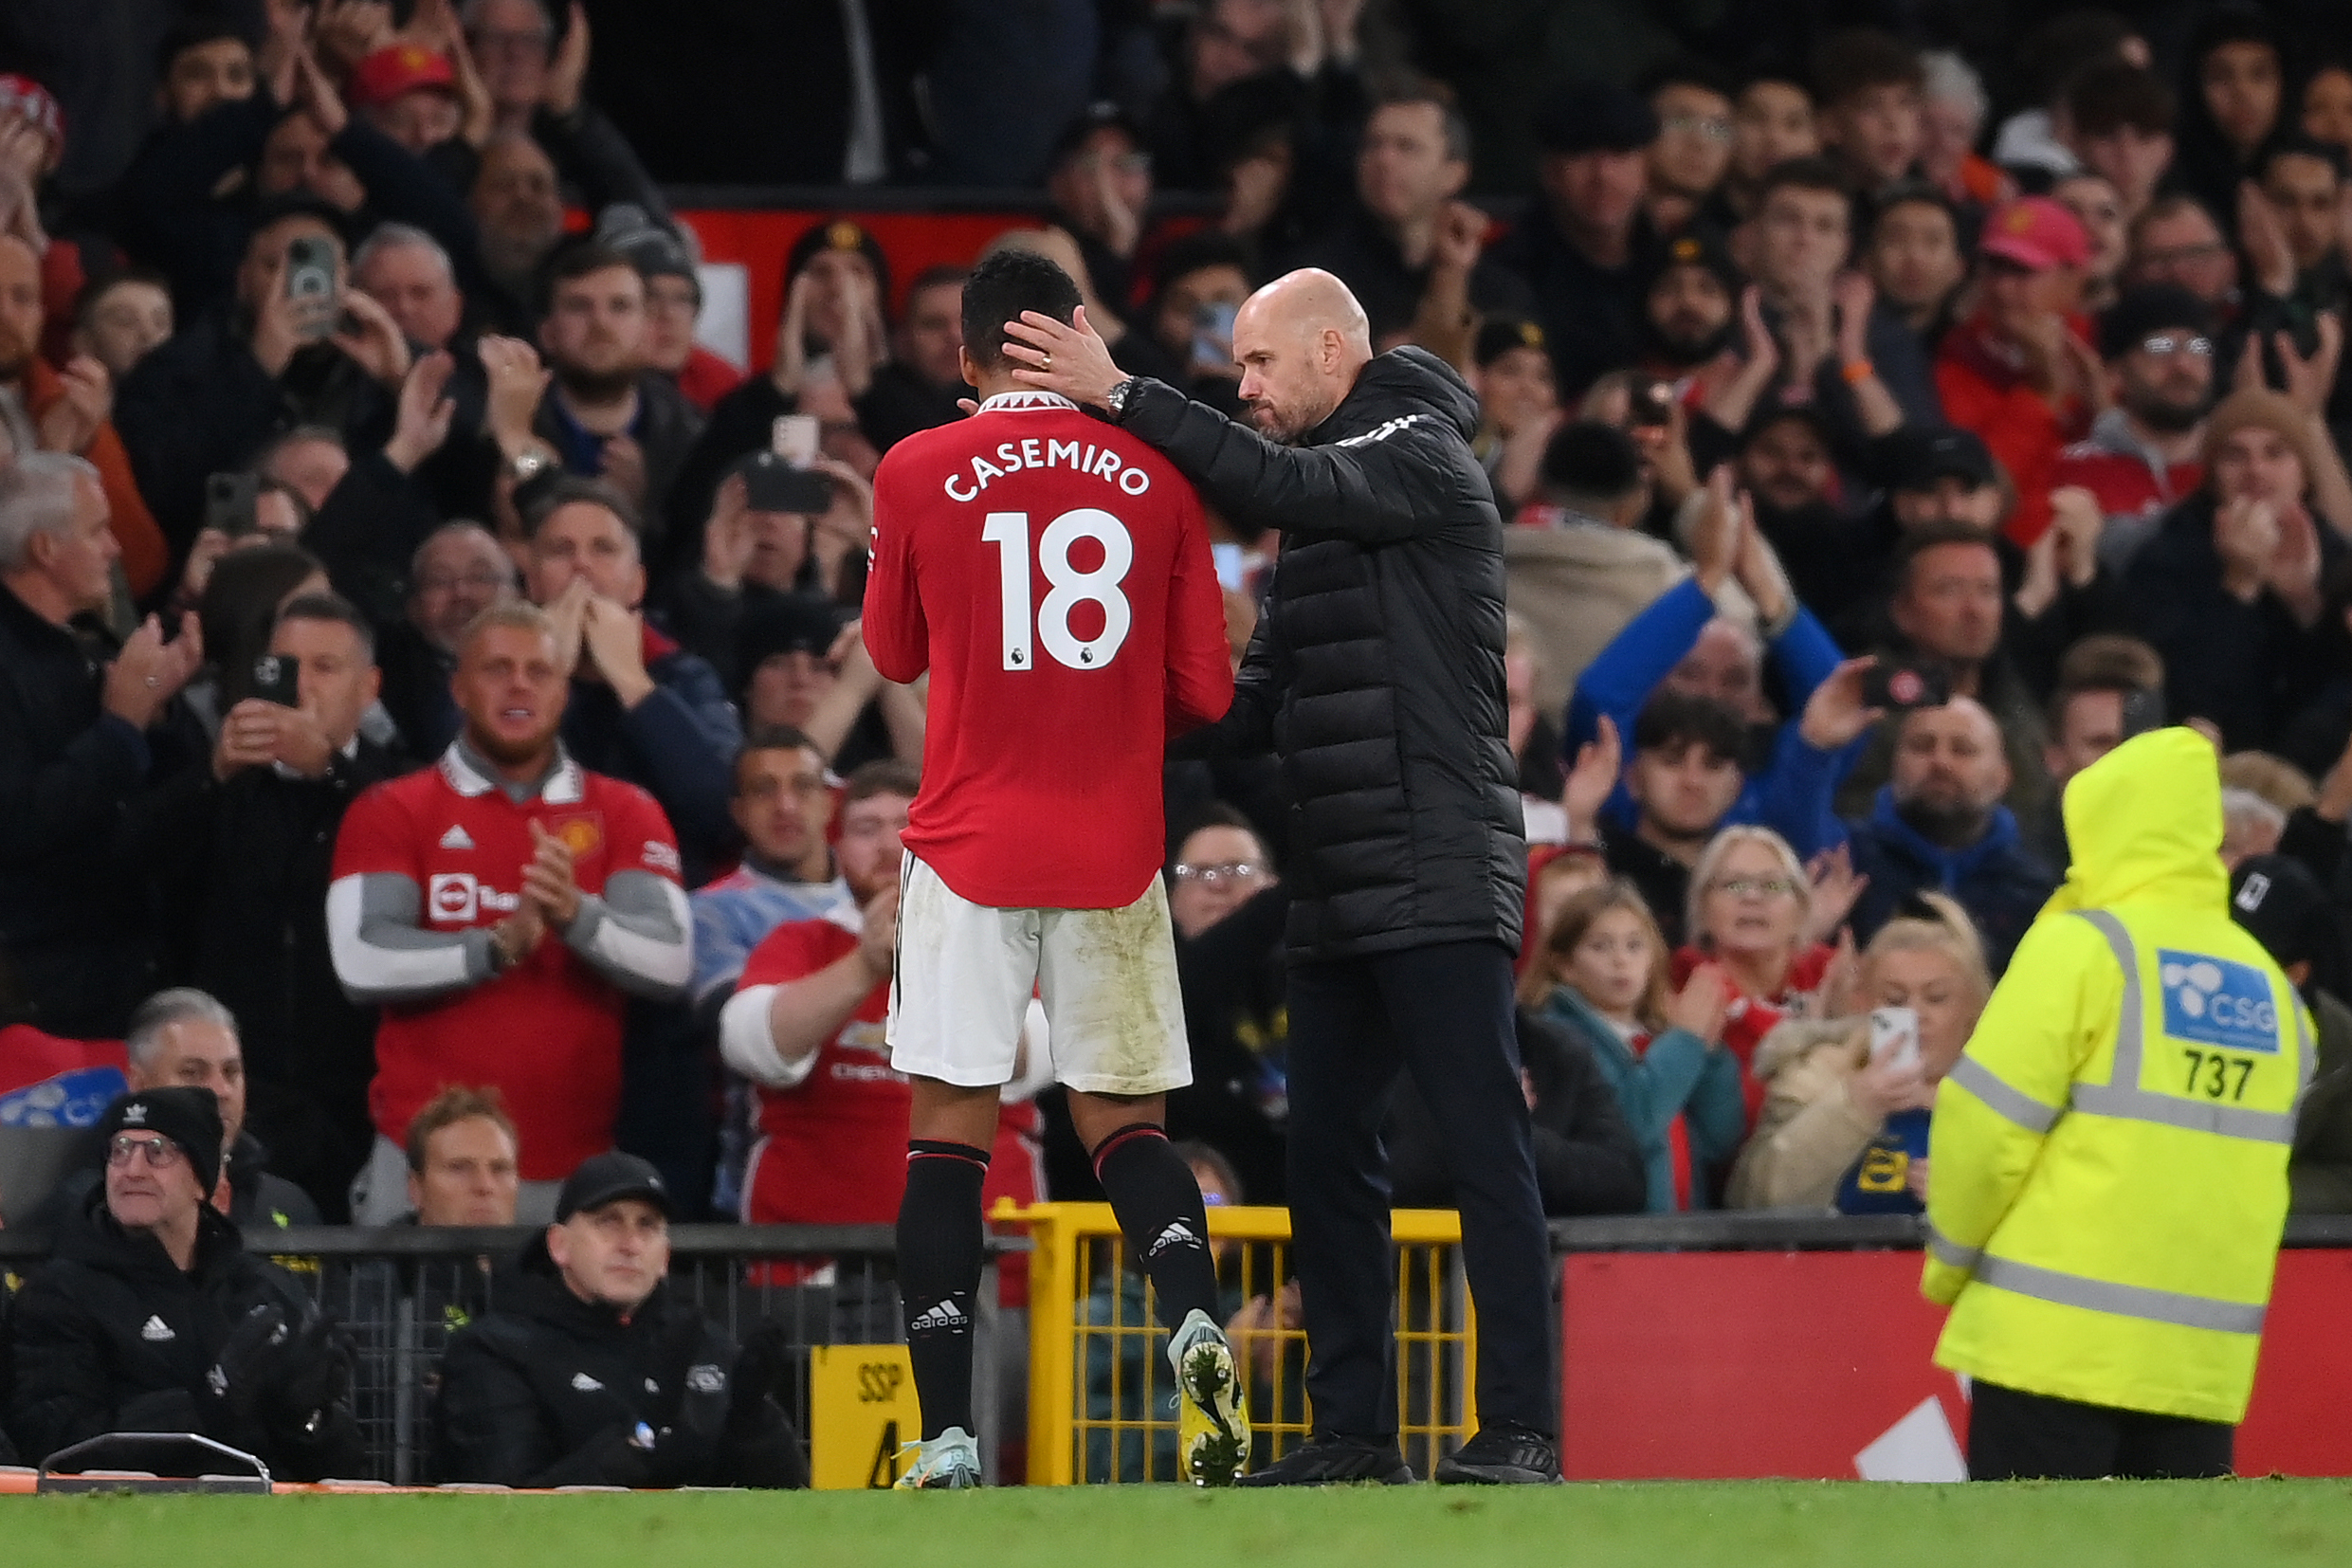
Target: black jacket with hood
[1376,671]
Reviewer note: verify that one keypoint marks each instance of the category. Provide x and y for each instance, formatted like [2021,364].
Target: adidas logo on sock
[1179,1234]
[155,1331]
[585,1384]
[941,1316]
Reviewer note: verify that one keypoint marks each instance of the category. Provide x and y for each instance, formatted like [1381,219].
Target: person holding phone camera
[298,347]
[1843,1123]
[289,762]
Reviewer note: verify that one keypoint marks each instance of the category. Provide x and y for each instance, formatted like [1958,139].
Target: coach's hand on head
[1070,359]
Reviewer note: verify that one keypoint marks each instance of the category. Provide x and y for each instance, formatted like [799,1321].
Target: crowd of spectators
[433,717]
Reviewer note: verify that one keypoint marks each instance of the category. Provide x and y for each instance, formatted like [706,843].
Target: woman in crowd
[1847,1128]
[1602,974]
[1751,916]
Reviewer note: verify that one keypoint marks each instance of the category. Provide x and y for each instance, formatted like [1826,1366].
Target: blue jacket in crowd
[1619,681]
[1998,880]
[1680,1074]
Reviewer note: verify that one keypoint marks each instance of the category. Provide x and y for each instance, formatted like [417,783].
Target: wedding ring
[1045,361]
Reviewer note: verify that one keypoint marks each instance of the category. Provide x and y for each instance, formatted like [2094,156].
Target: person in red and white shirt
[501,907]
[2146,454]
[1053,576]
[806,1025]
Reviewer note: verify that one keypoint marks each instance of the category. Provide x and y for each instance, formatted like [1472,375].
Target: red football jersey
[1052,574]
[546,1033]
[833,1149]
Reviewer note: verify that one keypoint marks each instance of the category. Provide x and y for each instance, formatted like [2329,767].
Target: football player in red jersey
[1053,576]
[501,907]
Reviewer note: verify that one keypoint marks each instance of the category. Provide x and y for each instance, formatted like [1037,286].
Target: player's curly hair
[1000,289]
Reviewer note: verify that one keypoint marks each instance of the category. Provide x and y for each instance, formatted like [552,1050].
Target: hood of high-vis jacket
[2145,821]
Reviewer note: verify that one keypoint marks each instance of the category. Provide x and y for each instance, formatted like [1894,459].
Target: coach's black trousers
[2017,1436]
[1444,1014]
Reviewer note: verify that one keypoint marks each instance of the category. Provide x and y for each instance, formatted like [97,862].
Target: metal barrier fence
[1101,1397]
[404,1291]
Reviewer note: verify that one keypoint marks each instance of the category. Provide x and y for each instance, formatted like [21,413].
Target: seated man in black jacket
[154,1317]
[590,1372]
[1587,1162]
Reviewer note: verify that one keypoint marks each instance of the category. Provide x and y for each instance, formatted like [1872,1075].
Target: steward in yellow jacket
[2108,1157]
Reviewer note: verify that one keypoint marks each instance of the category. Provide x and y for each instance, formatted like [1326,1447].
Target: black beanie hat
[189,1118]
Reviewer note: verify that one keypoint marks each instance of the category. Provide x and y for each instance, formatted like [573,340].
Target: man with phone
[289,762]
[300,348]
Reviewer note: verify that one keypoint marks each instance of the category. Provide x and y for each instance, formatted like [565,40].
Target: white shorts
[1107,977]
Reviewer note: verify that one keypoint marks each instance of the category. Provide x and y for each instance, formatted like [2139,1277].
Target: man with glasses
[2145,453]
[1230,910]
[460,571]
[154,1317]
[1692,100]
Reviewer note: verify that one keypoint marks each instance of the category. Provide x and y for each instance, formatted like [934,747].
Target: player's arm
[1377,490]
[897,637]
[1247,727]
[1200,668]
[1996,1106]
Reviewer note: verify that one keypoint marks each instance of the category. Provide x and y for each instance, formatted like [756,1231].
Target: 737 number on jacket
[2209,1074]
[1067,587]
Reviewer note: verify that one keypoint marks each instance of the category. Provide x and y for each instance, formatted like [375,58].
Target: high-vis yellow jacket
[2108,1157]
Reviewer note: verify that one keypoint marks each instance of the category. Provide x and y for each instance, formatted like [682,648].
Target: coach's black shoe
[1503,1455]
[1333,1459]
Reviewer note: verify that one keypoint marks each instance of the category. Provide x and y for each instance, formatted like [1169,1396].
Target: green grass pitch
[1752,1524]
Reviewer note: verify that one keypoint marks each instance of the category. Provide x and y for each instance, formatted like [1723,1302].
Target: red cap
[2036,233]
[22,98]
[386,74]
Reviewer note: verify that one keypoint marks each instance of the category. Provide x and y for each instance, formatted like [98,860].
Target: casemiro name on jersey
[1014,456]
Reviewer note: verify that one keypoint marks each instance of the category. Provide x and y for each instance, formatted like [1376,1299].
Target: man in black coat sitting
[590,1372]
[154,1317]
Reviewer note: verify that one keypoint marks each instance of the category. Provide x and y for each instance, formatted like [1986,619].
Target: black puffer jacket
[111,1337]
[1376,671]
[549,1390]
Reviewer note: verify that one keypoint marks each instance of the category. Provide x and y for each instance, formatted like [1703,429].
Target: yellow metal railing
[1102,1399]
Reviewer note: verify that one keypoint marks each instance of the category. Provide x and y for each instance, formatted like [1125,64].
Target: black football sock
[1159,1205]
[942,1247]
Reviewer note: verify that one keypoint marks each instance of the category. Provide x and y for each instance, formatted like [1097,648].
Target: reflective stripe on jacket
[2110,1154]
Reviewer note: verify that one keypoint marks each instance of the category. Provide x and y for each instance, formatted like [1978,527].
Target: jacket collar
[1952,866]
[470,776]
[1017,402]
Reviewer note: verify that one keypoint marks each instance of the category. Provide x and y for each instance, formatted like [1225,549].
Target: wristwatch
[528,465]
[1116,400]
